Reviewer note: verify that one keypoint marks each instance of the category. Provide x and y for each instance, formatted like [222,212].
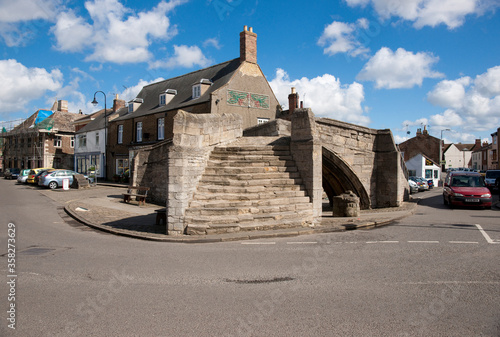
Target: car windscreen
[467,181]
[492,174]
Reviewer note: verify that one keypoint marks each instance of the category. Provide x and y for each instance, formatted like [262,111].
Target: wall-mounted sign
[247,99]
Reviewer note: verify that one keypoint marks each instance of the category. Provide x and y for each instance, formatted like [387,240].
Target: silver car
[55,179]
[23,176]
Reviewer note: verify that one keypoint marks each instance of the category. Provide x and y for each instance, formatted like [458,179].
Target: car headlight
[487,195]
[458,194]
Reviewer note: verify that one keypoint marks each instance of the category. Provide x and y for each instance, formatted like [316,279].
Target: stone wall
[306,150]
[195,135]
[277,127]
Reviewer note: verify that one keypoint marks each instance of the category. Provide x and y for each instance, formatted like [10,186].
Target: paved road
[433,274]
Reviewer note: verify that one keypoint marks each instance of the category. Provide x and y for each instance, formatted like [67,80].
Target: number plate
[472,200]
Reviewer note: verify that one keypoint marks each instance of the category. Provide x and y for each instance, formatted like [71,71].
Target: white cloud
[212,42]
[26,10]
[184,56]
[21,84]
[340,37]
[131,92]
[17,25]
[471,104]
[116,34]
[325,95]
[451,13]
[400,69]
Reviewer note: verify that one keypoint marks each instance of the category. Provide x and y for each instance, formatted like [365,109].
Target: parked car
[421,182]
[55,178]
[42,173]
[491,179]
[413,186]
[11,173]
[23,176]
[466,189]
[33,172]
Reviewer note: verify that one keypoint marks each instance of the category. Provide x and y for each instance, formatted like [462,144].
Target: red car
[466,189]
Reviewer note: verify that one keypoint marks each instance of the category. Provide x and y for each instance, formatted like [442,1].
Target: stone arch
[338,178]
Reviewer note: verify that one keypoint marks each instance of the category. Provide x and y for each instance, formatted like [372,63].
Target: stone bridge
[330,157]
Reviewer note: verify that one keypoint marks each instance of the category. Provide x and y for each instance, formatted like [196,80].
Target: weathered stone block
[346,205]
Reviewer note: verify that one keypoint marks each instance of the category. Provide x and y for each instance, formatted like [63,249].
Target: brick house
[495,151]
[45,139]
[237,86]
[422,143]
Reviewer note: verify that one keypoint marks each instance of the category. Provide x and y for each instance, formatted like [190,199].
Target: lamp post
[441,150]
[105,133]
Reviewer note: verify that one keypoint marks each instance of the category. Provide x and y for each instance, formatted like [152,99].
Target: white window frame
[138,132]
[196,91]
[72,142]
[120,134]
[57,141]
[163,99]
[97,138]
[82,141]
[161,128]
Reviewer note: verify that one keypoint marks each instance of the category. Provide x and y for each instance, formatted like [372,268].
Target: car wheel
[450,204]
[52,185]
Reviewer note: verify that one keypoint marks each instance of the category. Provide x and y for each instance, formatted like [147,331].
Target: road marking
[463,242]
[257,243]
[382,241]
[301,243]
[423,241]
[486,236]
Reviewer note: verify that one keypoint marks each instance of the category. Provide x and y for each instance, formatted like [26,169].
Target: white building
[421,166]
[459,155]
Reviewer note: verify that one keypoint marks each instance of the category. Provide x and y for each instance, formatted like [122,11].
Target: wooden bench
[140,194]
[161,215]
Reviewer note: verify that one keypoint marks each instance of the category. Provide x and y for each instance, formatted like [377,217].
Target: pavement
[101,207]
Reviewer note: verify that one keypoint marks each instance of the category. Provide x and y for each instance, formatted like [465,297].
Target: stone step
[248,170]
[253,163]
[245,218]
[202,188]
[252,148]
[249,157]
[256,212]
[232,228]
[224,181]
[250,176]
[231,197]
[245,152]
[254,202]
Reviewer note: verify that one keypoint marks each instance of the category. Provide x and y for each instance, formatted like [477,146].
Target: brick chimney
[62,105]
[293,101]
[425,130]
[419,132]
[118,103]
[248,45]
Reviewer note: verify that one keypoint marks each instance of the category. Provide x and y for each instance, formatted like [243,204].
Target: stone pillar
[306,150]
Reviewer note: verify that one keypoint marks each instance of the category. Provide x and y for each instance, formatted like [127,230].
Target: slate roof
[219,74]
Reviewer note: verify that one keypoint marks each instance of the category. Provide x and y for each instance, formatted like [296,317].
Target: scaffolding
[19,131]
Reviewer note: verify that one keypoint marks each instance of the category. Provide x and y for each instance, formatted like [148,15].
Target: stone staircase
[251,184]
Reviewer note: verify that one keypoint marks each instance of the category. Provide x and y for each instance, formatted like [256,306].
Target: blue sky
[385,64]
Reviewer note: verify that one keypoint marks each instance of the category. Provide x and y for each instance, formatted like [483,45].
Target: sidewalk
[102,208]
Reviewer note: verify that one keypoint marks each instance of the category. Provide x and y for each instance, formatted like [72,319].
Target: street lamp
[441,150]
[94,102]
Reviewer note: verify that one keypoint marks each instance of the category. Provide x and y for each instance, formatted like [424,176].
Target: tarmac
[102,207]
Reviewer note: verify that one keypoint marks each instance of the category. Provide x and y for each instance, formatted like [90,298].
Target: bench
[140,194]
[161,215]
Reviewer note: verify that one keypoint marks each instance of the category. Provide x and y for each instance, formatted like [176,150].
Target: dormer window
[134,104]
[201,87]
[196,91]
[167,96]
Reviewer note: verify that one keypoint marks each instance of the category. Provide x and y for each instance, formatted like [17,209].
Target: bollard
[346,205]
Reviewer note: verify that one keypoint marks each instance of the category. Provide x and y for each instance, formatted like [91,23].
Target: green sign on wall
[247,99]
